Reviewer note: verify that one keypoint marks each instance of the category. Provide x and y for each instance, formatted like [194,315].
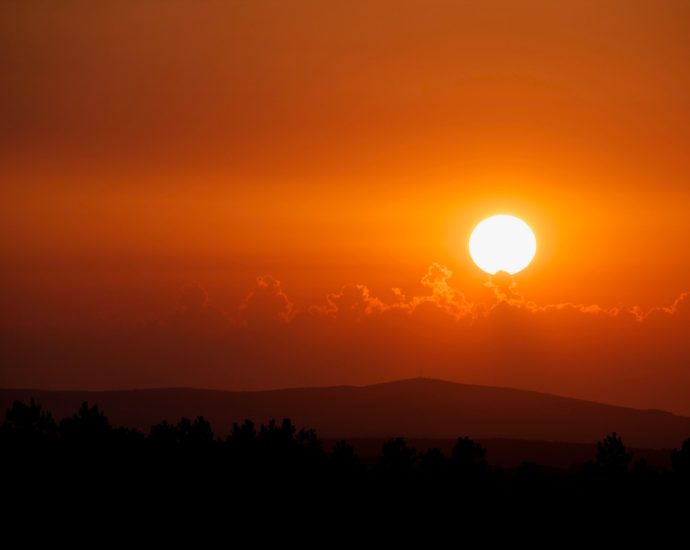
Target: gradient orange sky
[157,157]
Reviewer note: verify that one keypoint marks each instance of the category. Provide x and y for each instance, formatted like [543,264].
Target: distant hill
[413,408]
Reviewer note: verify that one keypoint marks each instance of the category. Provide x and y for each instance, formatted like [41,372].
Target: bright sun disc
[502,243]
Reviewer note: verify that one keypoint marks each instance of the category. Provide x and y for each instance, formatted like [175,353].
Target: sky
[251,195]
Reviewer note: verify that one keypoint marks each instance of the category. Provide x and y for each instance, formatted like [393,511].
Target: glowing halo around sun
[502,243]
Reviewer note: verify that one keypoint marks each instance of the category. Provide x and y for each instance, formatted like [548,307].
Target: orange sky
[147,147]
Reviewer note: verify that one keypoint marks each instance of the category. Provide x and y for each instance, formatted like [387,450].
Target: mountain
[413,408]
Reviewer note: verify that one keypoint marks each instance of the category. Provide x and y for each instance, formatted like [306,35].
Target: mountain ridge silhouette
[412,407]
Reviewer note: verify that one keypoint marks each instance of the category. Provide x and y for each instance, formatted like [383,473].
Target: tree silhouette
[343,459]
[433,466]
[187,433]
[309,444]
[343,451]
[28,424]
[612,455]
[277,440]
[283,453]
[195,433]
[84,454]
[164,435]
[397,459]
[680,459]
[88,426]
[242,435]
[468,455]
[241,443]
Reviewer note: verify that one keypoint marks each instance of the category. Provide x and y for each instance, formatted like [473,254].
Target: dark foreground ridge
[276,465]
[413,408]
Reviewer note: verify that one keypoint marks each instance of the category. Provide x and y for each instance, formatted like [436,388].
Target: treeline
[273,462]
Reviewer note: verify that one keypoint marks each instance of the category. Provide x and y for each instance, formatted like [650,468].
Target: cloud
[620,355]
[680,307]
[195,312]
[354,302]
[266,304]
[351,303]
[443,295]
[504,287]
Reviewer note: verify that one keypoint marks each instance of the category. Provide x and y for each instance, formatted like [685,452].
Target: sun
[502,243]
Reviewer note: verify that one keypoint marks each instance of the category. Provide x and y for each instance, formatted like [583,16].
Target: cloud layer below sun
[620,355]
